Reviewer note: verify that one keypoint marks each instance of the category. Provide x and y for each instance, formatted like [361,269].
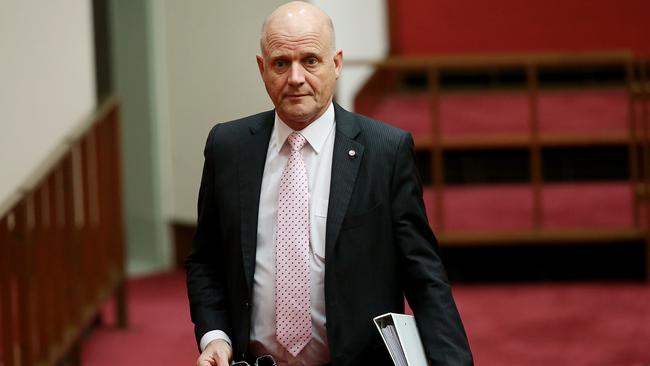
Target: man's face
[299,69]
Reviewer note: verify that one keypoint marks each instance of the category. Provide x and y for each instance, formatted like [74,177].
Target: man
[311,222]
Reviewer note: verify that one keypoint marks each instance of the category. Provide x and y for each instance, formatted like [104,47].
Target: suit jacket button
[247,305]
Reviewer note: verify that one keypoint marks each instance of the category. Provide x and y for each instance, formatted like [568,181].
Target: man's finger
[212,361]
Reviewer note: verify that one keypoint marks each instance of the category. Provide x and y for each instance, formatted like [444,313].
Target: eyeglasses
[260,361]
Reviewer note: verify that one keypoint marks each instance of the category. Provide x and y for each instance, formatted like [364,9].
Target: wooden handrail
[637,136]
[496,60]
[55,155]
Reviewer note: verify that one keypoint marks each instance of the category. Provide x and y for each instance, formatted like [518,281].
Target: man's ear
[260,64]
[338,62]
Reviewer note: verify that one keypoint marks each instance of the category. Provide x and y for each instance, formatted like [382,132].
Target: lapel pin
[352,153]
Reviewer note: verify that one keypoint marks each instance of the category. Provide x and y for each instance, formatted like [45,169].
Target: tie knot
[297,141]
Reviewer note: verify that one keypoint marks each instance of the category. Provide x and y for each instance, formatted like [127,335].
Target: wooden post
[644,65]
[535,145]
[633,144]
[437,161]
[118,220]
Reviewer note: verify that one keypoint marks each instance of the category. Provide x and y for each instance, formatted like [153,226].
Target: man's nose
[297,75]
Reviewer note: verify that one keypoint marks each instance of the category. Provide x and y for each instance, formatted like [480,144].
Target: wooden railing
[637,139]
[61,248]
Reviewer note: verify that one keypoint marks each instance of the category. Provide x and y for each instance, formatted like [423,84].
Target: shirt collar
[315,134]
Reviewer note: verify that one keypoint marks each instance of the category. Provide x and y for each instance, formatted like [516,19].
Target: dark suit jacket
[378,242]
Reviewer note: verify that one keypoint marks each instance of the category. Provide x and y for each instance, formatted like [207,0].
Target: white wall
[211,76]
[47,81]
[362,33]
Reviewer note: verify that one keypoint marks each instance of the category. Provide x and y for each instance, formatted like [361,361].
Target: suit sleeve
[205,281]
[425,281]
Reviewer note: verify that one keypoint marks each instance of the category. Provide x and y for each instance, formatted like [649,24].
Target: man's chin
[297,113]
[296,118]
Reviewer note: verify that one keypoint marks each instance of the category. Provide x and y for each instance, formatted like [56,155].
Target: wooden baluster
[94,251]
[437,150]
[633,144]
[70,251]
[105,198]
[58,212]
[77,246]
[23,268]
[535,145]
[48,288]
[6,295]
[86,244]
[39,299]
[103,201]
[644,70]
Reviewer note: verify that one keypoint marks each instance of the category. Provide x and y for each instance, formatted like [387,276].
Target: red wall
[495,26]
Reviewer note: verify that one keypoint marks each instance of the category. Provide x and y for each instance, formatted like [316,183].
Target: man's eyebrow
[277,56]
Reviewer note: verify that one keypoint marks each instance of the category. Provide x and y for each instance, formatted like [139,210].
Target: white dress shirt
[317,155]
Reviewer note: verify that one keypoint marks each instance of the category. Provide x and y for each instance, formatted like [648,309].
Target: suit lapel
[251,168]
[346,159]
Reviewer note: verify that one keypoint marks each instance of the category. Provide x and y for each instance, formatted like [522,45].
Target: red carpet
[160,332]
[540,324]
[552,324]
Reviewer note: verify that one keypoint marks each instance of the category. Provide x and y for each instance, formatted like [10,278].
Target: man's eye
[280,63]
[311,61]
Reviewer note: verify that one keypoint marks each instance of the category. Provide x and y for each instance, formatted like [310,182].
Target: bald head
[299,64]
[297,14]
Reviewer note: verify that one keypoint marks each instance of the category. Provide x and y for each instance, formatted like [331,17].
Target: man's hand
[216,353]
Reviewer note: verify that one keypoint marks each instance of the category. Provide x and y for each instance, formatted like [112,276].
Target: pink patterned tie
[292,308]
